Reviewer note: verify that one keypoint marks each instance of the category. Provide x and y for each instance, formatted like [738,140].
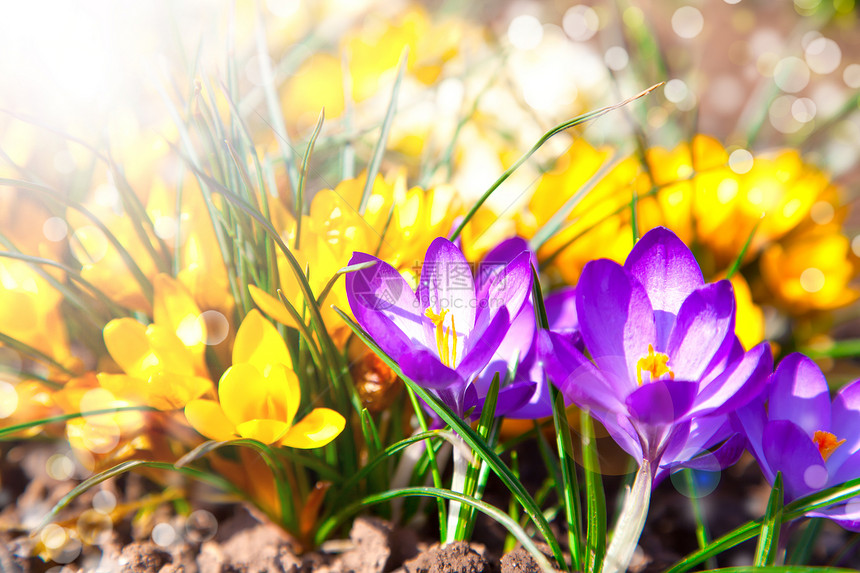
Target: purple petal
[509,287]
[578,379]
[727,454]
[661,402]
[622,431]
[497,259]
[706,318]
[447,283]
[668,271]
[750,420]
[788,449]
[561,311]
[539,404]
[616,321]
[737,385]
[380,291]
[845,421]
[799,393]
[516,346]
[512,397]
[703,433]
[425,369]
[846,515]
[845,469]
[480,347]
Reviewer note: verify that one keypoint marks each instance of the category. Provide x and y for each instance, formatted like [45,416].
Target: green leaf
[127,466]
[540,142]
[379,150]
[63,417]
[567,464]
[595,540]
[794,510]
[472,439]
[740,258]
[285,500]
[801,551]
[303,177]
[768,539]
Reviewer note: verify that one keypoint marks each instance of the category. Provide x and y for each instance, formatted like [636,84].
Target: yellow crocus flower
[163,363]
[259,395]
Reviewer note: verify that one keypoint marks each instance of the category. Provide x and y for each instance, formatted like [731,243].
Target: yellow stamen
[826,442]
[444,336]
[655,363]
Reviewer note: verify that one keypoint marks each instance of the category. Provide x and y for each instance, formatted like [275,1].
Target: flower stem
[627,531]
[458,485]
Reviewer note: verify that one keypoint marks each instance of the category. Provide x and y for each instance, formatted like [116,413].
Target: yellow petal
[271,306]
[126,341]
[258,343]
[207,417]
[125,387]
[174,308]
[314,430]
[175,390]
[284,394]
[171,353]
[243,393]
[266,431]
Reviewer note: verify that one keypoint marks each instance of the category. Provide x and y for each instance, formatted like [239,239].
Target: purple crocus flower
[794,428]
[445,334]
[664,367]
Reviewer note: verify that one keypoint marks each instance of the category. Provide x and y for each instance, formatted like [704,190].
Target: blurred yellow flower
[259,395]
[713,200]
[399,224]
[163,362]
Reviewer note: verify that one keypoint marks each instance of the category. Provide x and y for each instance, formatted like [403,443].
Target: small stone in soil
[457,557]
[143,557]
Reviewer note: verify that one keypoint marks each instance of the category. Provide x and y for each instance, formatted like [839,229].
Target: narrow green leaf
[333,280]
[303,177]
[379,150]
[802,550]
[63,417]
[740,258]
[555,223]
[472,439]
[595,540]
[566,457]
[702,535]
[540,142]
[127,466]
[768,538]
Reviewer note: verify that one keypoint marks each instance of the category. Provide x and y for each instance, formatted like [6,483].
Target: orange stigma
[826,442]
[655,363]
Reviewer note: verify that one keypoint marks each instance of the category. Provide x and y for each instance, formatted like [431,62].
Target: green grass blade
[379,150]
[736,265]
[303,177]
[555,223]
[794,510]
[768,538]
[63,417]
[834,349]
[501,517]
[471,438]
[33,353]
[702,535]
[127,466]
[781,569]
[273,103]
[595,537]
[285,500]
[802,550]
[467,514]
[566,457]
[540,142]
